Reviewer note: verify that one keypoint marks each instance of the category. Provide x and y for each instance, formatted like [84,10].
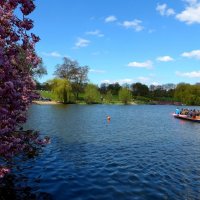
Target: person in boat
[184,111]
[177,111]
[194,114]
[190,113]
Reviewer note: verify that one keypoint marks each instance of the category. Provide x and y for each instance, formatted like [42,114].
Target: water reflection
[10,190]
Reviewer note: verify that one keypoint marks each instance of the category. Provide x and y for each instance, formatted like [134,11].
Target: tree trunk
[65,98]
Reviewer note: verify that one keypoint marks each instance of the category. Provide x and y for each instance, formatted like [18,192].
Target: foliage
[92,95]
[18,61]
[42,86]
[188,94]
[141,99]
[109,97]
[114,88]
[73,72]
[125,95]
[16,83]
[103,88]
[140,89]
[49,95]
[62,88]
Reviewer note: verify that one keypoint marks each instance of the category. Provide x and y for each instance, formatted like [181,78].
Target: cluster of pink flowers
[3,171]
[17,59]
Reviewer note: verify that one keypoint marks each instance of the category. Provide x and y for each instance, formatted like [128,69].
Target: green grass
[48,94]
[53,97]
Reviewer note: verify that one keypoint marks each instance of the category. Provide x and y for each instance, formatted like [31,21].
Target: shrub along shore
[39,102]
[125,97]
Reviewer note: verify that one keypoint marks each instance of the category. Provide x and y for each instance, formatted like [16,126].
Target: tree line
[71,84]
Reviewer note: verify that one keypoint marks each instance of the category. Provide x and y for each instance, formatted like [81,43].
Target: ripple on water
[143,153]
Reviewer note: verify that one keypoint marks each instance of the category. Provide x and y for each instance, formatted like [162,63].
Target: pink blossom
[3,171]
[17,59]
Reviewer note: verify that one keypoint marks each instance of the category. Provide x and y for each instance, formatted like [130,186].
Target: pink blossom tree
[18,60]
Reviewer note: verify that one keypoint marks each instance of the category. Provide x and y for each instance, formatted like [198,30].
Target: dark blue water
[142,153]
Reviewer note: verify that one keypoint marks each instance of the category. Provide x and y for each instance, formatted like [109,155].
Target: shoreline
[46,102]
[81,103]
[37,102]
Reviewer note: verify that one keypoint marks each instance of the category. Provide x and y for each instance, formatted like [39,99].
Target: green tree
[125,95]
[182,92]
[188,94]
[114,88]
[103,88]
[92,95]
[62,88]
[74,73]
[109,97]
[158,93]
[140,89]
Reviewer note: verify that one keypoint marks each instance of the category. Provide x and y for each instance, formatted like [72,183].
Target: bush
[125,95]
[92,95]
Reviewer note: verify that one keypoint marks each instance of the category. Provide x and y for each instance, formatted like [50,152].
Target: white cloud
[97,71]
[110,18]
[135,24]
[161,9]
[192,54]
[155,83]
[170,11]
[193,74]
[165,58]
[147,64]
[191,14]
[164,10]
[96,33]
[120,81]
[192,2]
[82,43]
[143,79]
[52,54]
[106,81]
[126,80]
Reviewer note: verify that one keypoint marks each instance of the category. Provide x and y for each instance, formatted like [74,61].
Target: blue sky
[148,41]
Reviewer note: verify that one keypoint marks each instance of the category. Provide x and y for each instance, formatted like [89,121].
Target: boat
[186,117]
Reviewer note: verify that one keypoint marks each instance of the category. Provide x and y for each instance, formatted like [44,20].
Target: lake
[142,153]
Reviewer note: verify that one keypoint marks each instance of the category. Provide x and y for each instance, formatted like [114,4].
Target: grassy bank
[114,100]
[49,95]
[54,98]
